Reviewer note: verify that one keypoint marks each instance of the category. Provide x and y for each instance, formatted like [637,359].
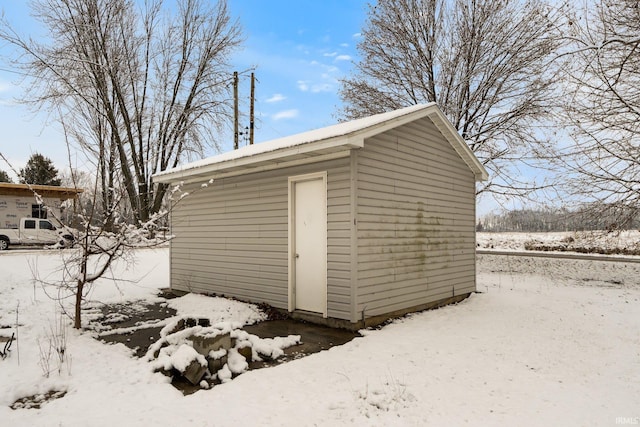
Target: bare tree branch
[139,87]
[486,63]
[603,113]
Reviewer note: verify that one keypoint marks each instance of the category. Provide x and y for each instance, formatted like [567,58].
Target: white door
[310,244]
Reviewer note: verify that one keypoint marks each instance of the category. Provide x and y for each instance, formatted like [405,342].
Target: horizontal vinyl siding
[416,220]
[339,241]
[231,237]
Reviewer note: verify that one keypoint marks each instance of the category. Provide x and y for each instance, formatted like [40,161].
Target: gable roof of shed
[317,145]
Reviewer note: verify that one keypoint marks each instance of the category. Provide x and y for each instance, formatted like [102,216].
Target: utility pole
[253,93]
[235,110]
[251,116]
[236,132]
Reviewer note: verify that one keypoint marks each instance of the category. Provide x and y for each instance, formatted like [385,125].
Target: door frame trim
[292,236]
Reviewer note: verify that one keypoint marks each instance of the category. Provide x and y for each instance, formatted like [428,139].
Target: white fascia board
[278,158]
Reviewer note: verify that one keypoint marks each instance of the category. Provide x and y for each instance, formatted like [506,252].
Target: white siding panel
[416,220]
[339,241]
[231,237]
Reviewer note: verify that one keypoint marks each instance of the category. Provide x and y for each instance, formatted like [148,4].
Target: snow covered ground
[546,342]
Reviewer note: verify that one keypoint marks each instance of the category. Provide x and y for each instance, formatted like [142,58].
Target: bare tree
[96,248]
[604,109]
[136,87]
[102,239]
[486,63]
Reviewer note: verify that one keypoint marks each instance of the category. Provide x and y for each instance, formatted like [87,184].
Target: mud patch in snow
[37,400]
[157,331]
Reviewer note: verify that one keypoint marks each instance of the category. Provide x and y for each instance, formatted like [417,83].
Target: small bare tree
[603,110]
[486,63]
[139,86]
[102,239]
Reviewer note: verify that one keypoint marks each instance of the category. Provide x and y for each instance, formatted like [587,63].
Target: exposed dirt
[133,326]
[37,400]
[313,338]
[138,326]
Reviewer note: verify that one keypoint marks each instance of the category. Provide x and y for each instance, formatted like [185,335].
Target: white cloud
[307,86]
[286,114]
[343,58]
[277,97]
[344,44]
[321,87]
[357,35]
[330,54]
[6,86]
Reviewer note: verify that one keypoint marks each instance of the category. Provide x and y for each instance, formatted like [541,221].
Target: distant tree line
[608,218]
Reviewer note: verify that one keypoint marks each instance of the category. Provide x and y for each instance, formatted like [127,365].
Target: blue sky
[299,48]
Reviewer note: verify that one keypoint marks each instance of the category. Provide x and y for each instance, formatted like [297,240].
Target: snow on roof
[350,134]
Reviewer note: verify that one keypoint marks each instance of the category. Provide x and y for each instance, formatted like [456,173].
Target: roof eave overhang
[49,191]
[312,152]
[325,149]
